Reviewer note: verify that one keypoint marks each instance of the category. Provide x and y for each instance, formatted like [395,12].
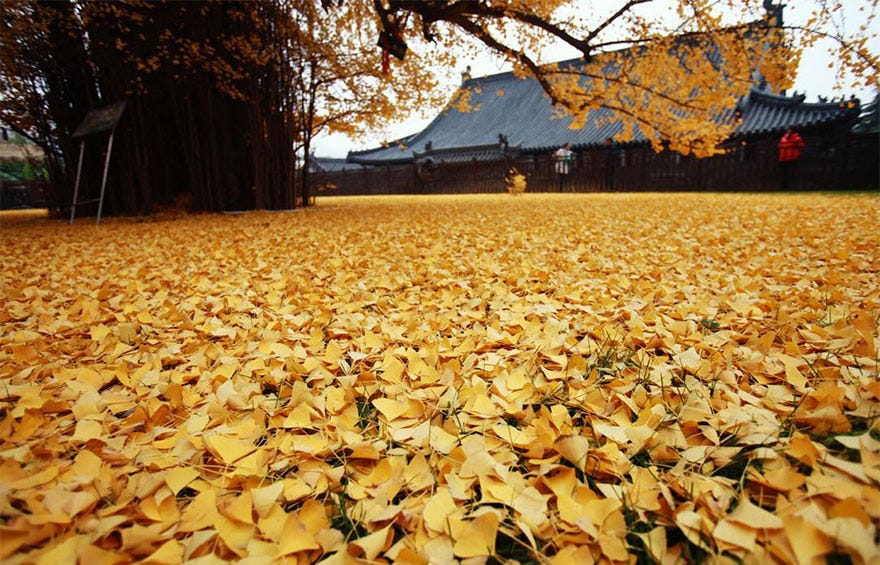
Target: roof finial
[466,75]
[774,13]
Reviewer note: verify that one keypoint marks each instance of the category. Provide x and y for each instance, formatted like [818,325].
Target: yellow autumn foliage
[558,377]
[515,182]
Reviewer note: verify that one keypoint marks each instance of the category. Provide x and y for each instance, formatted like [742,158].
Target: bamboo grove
[221,96]
[199,126]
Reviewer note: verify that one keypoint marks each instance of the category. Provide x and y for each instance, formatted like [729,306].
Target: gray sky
[814,78]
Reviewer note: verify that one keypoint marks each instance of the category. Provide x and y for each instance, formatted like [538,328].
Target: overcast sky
[814,78]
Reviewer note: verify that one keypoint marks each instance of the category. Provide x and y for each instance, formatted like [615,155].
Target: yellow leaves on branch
[577,378]
[515,181]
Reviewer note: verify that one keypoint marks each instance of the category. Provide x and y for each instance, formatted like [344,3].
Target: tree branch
[538,73]
[434,11]
[872,61]
[611,19]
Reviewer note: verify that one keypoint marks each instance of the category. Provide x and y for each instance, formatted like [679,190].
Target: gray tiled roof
[518,109]
[491,152]
[330,164]
[765,113]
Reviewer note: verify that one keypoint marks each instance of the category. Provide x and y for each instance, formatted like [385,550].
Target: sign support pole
[82,148]
[96,121]
[104,179]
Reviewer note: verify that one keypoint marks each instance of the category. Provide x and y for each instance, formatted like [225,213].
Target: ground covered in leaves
[543,378]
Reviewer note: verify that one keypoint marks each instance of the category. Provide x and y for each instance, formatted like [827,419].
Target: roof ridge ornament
[774,13]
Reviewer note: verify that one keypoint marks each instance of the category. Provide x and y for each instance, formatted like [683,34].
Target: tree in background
[340,83]
[30,70]
[221,95]
[194,122]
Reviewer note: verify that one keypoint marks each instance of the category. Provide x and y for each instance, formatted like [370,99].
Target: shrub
[515,181]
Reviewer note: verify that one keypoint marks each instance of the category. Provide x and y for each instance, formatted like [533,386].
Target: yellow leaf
[159,512]
[655,543]
[296,537]
[97,556]
[393,369]
[747,514]
[616,434]
[236,535]
[86,466]
[200,513]
[369,547]
[229,449]
[63,553]
[850,508]
[240,509]
[313,515]
[802,448]
[496,490]
[571,555]
[70,504]
[807,541]
[170,552]
[272,524]
[391,409]
[574,448]
[25,354]
[264,498]
[438,508]
[783,479]
[35,479]
[690,360]
[613,547]
[99,332]
[692,526]
[332,353]
[87,429]
[730,534]
[532,506]
[407,556]
[477,538]
[441,441]
[792,374]
[179,477]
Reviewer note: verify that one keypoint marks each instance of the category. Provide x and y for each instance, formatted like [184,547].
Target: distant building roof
[869,121]
[13,146]
[517,108]
[330,164]
[765,113]
[492,152]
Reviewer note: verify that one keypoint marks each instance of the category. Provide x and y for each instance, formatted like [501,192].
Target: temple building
[513,124]
[514,117]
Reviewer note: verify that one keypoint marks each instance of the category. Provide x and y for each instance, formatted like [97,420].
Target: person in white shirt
[563,164]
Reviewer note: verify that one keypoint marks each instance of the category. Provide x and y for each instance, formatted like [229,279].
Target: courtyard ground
[560,378]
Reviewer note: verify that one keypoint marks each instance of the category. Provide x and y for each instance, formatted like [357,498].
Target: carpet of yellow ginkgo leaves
[551,378]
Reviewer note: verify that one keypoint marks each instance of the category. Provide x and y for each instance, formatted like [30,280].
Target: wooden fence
[23,194]
[851,163]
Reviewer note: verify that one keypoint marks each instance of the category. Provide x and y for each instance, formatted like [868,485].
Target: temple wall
[850,162]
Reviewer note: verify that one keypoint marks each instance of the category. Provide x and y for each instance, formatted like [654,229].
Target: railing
[850,163]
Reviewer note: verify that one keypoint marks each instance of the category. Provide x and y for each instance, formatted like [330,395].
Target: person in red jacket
[790,147]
